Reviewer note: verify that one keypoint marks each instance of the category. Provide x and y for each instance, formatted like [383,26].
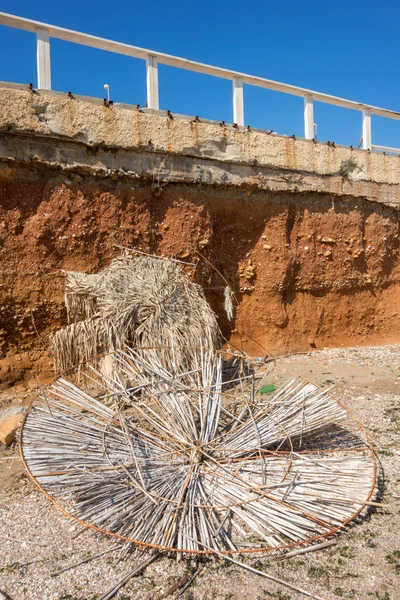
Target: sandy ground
[36,539]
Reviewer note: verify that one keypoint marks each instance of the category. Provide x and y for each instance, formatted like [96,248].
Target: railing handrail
[100,43]
[44,31]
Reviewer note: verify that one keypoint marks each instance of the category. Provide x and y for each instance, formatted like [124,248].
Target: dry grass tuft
[138,301]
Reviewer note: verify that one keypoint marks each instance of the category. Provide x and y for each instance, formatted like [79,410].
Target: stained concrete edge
[233,156]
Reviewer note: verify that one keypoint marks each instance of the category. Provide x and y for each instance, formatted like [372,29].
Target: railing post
[366,129]
[238,103]
[43,59]
[308,117]
[152,82]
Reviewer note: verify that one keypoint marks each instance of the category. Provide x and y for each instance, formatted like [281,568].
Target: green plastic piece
[267,389]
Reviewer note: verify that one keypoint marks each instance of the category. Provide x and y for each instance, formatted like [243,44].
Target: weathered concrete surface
[122,140]
[307,235]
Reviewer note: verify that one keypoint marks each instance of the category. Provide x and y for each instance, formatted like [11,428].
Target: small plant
[393,559]
[278,595]
[11,568]
[386,452]
[318,572]
[347,552]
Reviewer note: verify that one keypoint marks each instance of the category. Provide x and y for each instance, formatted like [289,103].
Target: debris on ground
[194,465]
[138,301]
[361,565]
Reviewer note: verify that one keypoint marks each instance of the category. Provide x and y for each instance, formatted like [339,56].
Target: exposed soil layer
[307,269]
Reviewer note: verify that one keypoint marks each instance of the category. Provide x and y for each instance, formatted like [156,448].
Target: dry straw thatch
[186,463]
[138,301]
[169,444]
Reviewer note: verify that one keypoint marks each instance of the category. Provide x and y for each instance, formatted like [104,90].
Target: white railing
[44,32]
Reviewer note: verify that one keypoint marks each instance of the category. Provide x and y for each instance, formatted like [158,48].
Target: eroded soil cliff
[308,270]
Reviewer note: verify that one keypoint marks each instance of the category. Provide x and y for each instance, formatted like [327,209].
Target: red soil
[307,270]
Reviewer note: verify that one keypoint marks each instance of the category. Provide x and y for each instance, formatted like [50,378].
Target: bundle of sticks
[197,460]
[137,301]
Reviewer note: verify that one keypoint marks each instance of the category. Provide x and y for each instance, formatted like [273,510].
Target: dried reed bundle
[228,304]
[137,301]
[195,465]
[80,295]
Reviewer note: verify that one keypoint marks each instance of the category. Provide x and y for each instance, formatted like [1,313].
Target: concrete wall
[122,140]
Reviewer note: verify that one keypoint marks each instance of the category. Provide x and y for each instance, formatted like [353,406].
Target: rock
[267,247]
[250,271]
[11,411]
[8,429]
[203,243]
[9,420]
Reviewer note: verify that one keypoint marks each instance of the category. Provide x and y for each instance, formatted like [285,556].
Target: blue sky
[345,48]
